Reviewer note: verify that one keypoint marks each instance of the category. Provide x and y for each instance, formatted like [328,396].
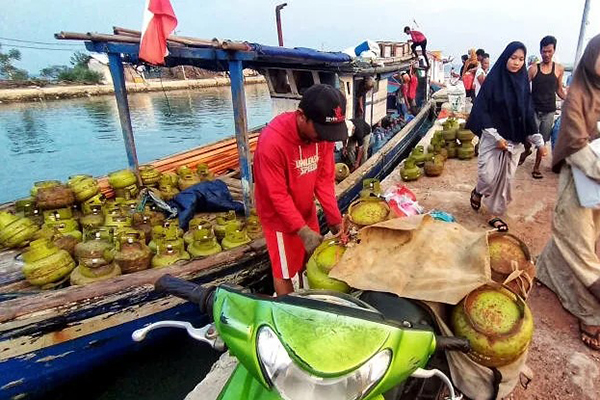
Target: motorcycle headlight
[293,383]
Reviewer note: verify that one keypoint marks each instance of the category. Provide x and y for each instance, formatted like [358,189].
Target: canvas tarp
[417,257]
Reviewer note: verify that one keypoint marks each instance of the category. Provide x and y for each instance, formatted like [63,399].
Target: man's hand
[502,144]
[310,239]
[335,229]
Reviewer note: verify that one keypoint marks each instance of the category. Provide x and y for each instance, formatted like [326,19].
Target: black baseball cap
[326,107]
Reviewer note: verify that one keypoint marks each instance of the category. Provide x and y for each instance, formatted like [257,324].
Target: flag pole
[115,65]
[238,97]
[584,20]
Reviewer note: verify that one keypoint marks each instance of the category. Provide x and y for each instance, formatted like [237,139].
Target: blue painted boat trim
[38,372]
[35,373]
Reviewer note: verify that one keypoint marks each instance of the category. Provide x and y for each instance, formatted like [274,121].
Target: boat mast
[584,21]
[278,20]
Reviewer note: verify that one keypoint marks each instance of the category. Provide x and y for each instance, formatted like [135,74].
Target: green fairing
[243,385]
[318,344]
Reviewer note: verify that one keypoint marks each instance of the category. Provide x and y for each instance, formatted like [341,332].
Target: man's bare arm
[560,89]
[531,72]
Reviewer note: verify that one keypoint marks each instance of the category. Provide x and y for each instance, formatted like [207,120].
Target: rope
[165,93]
[522,279]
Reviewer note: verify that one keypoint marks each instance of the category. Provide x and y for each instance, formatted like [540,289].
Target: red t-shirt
[289,173]
[412,87]
[417,37]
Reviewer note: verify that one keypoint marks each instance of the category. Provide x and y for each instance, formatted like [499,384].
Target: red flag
[159,23]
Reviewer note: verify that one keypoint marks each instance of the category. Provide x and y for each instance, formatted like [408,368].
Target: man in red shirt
[409,90]
[418,39]
[293,164]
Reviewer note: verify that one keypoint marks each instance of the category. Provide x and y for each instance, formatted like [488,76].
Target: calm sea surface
[56,139]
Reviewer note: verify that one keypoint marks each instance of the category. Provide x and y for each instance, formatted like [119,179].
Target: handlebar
[189,291]
[450,343]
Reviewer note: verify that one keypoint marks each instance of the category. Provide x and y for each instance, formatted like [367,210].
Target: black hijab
[504,101]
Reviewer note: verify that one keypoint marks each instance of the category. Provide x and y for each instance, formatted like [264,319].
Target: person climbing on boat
[546,83]
[362,88]
[355,150]
[569,264]
[418,40]
[503,118]
[293,164]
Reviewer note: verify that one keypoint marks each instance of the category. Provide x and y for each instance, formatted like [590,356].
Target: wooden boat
[49,337]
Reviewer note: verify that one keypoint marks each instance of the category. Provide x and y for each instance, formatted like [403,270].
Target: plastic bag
[402,201]
[442,216]
[366,49]
[457,97]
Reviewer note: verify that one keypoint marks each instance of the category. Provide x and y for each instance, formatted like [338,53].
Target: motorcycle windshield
[328,344]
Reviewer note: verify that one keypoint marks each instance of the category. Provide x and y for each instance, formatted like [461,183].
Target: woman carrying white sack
[569,264]
[503,118]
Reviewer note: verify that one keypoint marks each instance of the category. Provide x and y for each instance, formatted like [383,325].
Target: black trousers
[423,45]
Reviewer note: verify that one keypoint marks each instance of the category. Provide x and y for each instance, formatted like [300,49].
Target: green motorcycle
[310,345]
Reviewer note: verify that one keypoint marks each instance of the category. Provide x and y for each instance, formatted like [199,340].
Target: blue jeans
[554,133]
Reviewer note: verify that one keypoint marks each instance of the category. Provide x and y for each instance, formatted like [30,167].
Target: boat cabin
[286,86]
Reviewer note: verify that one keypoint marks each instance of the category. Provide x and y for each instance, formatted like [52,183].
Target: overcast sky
[450,26]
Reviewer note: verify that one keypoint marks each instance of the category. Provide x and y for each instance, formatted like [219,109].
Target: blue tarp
[301,54]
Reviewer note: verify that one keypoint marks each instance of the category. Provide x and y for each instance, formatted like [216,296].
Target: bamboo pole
[95,37]
[239,46]
[174,38]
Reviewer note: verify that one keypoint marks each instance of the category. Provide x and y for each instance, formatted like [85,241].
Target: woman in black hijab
[503,118]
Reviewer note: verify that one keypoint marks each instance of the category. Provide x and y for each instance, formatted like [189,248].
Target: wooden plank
[14,308]
[179,156]
[26,344]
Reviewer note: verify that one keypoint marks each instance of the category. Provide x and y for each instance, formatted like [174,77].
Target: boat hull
[43,346]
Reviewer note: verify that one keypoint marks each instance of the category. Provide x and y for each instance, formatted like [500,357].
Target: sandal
[591,340]
[537,175]
[475,200]
[524,156]
[498,224]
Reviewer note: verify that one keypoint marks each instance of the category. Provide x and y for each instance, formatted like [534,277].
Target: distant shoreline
[22,95]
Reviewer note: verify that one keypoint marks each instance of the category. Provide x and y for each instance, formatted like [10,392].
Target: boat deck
[564,367]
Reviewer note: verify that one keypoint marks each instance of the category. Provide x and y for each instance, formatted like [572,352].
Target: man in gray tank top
[546,82]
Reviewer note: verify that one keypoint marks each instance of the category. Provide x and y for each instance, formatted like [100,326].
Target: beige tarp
[417,257]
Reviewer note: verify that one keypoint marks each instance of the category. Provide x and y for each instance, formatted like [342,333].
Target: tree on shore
[53,71]
[77,73]
[7,69]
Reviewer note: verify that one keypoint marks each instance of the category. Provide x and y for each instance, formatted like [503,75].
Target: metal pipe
[584,18]
[278,20]
[238,97]
[115,65]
